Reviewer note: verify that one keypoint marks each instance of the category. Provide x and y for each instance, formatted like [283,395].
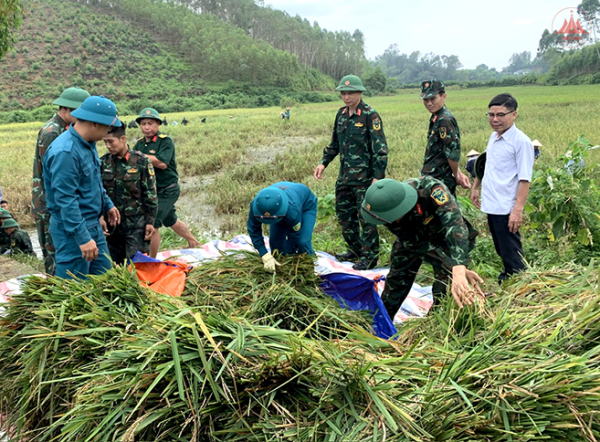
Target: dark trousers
[507,244]
[404,265]
[362,237]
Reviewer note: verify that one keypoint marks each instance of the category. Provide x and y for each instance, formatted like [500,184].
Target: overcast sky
[478,32]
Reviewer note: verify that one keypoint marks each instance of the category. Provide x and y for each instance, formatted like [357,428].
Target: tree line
[240,40]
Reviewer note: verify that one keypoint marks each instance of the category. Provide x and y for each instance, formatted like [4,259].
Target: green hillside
[140,52]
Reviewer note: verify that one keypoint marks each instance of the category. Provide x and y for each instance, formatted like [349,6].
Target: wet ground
[193,202]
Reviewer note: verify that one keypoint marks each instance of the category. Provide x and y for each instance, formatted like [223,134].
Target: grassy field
[225,161]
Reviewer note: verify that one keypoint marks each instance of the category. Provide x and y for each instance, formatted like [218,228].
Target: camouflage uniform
[51,130]
[361,144]
[433,231]
[19,242]
[130,183]
[443,144]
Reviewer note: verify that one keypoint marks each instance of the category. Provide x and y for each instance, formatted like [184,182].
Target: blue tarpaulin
[355,292]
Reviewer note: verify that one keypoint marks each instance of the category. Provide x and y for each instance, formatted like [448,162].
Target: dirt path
[9,268]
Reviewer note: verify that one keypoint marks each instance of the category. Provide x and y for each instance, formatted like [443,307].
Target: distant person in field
[164,121]
[471,159]
[160,149]
[290,210]
[184,121]
[505,183]
[19,241]
[129,180]
[132,125]
[74,193]
[70,99]
[359,140]
[536,148]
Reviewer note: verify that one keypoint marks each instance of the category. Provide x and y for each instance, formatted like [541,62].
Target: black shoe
[348,256]
[365,264]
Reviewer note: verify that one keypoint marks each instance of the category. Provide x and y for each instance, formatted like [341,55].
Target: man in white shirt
[505,183]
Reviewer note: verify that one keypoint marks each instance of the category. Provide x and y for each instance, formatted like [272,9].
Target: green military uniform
[443,144]
[50,132]
[360,142]
[131,185]
[4,238]
[434,231]
[19,241]
[167,180]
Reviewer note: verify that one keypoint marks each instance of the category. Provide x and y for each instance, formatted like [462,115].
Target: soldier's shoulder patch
[443,132]
[376,124]
[163,136]
[297,227]
[440,196]
[151,169]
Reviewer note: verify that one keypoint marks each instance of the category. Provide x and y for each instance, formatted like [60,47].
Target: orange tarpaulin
[166,277]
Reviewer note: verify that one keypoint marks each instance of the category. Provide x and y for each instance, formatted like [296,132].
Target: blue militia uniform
[76,199]
[293,234]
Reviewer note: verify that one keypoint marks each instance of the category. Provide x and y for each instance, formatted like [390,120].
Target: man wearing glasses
[505,182]
[291,211]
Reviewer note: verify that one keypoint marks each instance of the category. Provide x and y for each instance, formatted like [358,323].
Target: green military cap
[350,83]
[388,200]
[270,205]
[5,214]
[480,165]
[149,113]
[10,223]
[430,88]
[72,97]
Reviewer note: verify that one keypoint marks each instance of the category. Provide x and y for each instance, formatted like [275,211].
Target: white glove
[269,262]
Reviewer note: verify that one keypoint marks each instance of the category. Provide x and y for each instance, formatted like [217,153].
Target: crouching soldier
[128,177]
[4,239]
[19,239]
[429,226]
[291,211]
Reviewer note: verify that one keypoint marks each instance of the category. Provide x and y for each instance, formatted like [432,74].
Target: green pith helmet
[71,97]
[149,113]
[350,83]
[10,223]
[388,200]
[480,166]
[270,205]
[430,88]
[5,214]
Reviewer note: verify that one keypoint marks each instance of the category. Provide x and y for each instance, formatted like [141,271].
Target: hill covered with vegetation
[173,55]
